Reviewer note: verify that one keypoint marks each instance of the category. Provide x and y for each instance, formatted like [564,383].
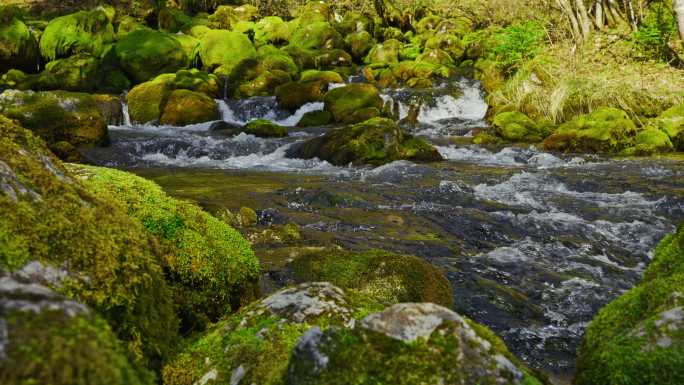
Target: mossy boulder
[376,141]
[360,44]
[606,129]
[145,54]
[225,48]
[413,72]
[184,107]
[255,345]
[385,53]
[57,116]
[517,127]
[405,344]
[346,103]
[639,337]
[83,31]
[375,276]
[113,264]
[147,102]
[227,17]
[48,338]
[291,96]
[262,128]
[449,43]
[211,267]
[174,20]
[329,77]
[436,56]
[271,30]
[260,76]
[315,119]
[18,47]
[650,141]
[316,36]
[671,122]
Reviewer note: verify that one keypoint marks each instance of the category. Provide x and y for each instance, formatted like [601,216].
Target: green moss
[604,130]
[84,31]
[50,217]
[146,101]
[378,276]
[315,119]
[359,43]
[260,339]
[385,53]
[54,348]
[293,95]
[225,48]
[516,126]
[376,141]
[437,57]
[144,54]
[315,36]
[57,116]
[637,339]
[184,107]
[671,122]
[449,43]
[271,30]
[344,102]
[18,47]
[209,264]
[650,141]
[263,128]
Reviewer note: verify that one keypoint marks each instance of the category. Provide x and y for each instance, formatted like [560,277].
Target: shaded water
[533,243]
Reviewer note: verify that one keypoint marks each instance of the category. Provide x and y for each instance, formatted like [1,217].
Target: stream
[533,243]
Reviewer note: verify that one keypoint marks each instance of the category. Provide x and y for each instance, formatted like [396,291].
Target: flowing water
[534,243]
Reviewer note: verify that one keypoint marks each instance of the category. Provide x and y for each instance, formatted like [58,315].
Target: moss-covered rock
[227,17]
[449,43]
[174,20]
[113,264]
[225,48]
[406,344]
[385,53]
[345,103]
[436,56]
[376,141]
[18,46]
[83,31]
[263,128]
[316,35]
[260,76]
[360,44]
[57,116]
[210,265]
[147,102]
[184,107]
[47,338]
[517,127]
[271,30]
[255,345]
[604,130]
[293,95]
[329,77]
[375,276]
[315,119]
[639,338]
[650,141]
[145,54]
[671,122]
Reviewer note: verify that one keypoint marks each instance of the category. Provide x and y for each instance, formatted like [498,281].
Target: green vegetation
[353,103]
[81,32]
[637,339]
[18,47]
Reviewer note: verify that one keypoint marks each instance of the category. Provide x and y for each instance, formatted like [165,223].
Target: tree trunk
[678,6]
[583,18]
[598,13]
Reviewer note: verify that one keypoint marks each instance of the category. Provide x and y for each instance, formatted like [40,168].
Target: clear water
[534,243]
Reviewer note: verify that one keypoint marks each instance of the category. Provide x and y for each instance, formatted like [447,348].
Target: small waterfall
[124,109]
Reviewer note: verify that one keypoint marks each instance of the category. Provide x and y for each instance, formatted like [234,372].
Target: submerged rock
[376,141]
[639,337]
[604,130]
[57,116]
[406,344]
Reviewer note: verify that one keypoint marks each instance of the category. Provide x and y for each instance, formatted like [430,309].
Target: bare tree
[678,7]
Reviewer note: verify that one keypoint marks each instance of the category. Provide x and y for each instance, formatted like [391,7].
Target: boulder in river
[639,337]
[407,343]
[225,49]
[80,32]
[144,54]
[376,141]
[517,127]
[291,96]
[353,103]
[671,122]
[184,107]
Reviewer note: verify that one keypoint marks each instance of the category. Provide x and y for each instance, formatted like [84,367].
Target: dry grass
[565,81]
